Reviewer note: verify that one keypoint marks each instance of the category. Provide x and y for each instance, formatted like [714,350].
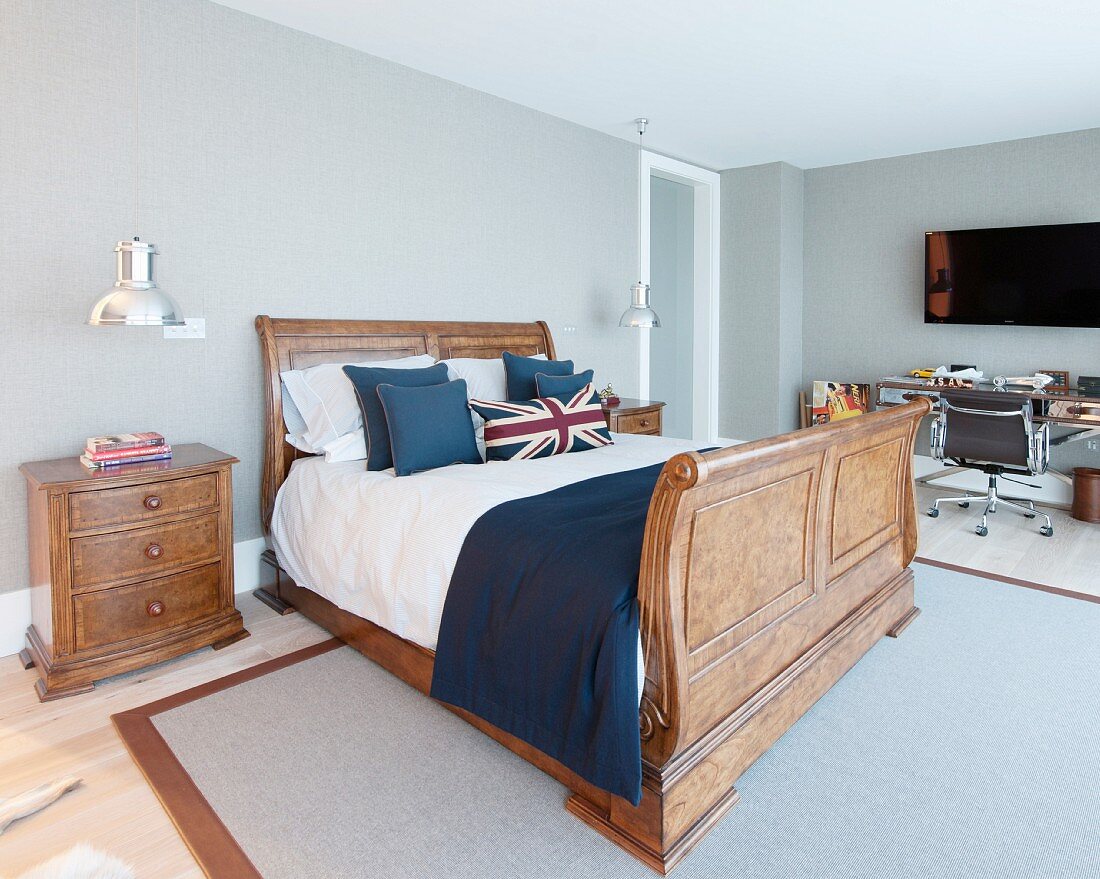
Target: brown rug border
[209,840]
[1002,578]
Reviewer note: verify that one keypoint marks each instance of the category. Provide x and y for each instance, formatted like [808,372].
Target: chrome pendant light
[135,300]
[640,315]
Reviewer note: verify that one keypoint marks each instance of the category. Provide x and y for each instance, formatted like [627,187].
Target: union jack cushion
[543,427]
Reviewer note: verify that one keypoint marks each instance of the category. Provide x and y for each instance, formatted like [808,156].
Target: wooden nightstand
[634,416]
[129,565]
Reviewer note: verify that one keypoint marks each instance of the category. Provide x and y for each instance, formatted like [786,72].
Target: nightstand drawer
[137,503]
[643,422]
[115,615]
[154,550]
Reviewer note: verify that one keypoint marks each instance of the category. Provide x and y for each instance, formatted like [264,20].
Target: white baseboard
[15,607]
[248,573]
[15,616]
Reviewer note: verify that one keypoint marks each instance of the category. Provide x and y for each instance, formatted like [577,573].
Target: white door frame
[707,239]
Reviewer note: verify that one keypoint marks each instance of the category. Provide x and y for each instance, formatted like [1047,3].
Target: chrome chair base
[992,499]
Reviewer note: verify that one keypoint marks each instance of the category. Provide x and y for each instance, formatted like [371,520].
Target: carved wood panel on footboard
[768,569]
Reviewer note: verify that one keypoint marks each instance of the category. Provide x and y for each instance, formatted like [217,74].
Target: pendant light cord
[137,115]
[641,123]
[640,197]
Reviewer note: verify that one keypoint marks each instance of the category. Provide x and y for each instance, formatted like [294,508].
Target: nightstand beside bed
[634,416]
[129,565]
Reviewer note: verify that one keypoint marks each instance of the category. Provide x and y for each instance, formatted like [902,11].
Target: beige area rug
[960,749]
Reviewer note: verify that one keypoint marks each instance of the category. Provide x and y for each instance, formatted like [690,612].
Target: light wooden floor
[1014,547]
[115,810]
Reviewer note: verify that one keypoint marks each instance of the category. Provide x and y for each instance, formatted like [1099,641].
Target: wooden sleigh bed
[768,570]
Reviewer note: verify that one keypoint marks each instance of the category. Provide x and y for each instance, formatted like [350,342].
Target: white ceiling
[727,83]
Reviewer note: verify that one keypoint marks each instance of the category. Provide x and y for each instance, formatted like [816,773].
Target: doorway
[680,210]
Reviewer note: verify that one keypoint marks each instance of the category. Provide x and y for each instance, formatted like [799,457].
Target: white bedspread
[384,547]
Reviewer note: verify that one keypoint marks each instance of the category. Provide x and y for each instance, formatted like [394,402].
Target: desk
[1072,408]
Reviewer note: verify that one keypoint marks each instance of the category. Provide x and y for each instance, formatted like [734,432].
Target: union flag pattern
[543,427]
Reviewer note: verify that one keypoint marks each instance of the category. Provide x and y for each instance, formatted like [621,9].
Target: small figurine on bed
[608,396]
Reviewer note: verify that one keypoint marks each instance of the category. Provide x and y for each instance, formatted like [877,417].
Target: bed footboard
[768,570]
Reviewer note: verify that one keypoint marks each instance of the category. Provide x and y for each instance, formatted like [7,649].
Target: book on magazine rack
[116,462]
[113,442]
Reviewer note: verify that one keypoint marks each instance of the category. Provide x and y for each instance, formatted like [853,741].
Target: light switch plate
[195,329]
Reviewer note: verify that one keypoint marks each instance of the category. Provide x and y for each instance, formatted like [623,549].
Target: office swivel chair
[996,437]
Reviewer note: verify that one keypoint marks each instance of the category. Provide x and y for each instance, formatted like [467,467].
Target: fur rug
[81,862]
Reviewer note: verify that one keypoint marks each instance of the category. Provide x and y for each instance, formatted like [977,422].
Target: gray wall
[672,279]
[761,300]
[864,251]
[281,174]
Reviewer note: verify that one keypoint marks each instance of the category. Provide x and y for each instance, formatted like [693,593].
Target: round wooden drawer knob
[155,608]
[152,502]
[154,551]
[644,422]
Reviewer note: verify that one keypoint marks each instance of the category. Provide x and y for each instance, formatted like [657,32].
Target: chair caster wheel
[1029,515]
[981,531]
[965,505]
[933,512]
[1046,531]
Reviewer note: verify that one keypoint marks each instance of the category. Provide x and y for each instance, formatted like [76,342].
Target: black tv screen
[1044,276]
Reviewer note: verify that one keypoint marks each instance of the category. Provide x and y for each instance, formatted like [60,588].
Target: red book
[125,454]
[96,465]
[113,442]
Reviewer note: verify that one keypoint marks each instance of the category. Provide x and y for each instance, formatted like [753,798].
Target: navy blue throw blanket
[539,634]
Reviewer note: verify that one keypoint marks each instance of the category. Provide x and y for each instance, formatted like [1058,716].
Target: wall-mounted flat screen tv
[1044,276]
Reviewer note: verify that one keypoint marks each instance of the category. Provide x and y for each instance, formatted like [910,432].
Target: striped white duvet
[384,547]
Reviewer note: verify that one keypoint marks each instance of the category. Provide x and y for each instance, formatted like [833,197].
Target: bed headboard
[296,343]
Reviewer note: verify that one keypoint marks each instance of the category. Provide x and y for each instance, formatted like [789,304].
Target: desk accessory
[834,401]
[608,396]
[1060,376]
[941,381]
[1038,381]
[1090,384]
[956,371]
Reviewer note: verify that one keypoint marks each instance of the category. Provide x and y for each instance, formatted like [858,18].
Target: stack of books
[124,448]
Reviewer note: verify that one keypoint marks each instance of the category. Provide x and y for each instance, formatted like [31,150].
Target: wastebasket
[1086,494]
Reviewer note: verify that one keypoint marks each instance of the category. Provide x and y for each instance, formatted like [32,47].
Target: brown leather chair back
[998,439]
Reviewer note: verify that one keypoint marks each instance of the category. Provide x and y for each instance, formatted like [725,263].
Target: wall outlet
[195,329]
[568,329]
[1091,445]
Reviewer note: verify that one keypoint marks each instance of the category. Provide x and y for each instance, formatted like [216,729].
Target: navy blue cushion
[520,372]
[429,426]
[365,380]
[561,385]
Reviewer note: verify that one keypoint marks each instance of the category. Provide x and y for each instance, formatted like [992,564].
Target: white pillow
[483,376]
[325,398]
[350,447]
[295,424]
[485,380]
